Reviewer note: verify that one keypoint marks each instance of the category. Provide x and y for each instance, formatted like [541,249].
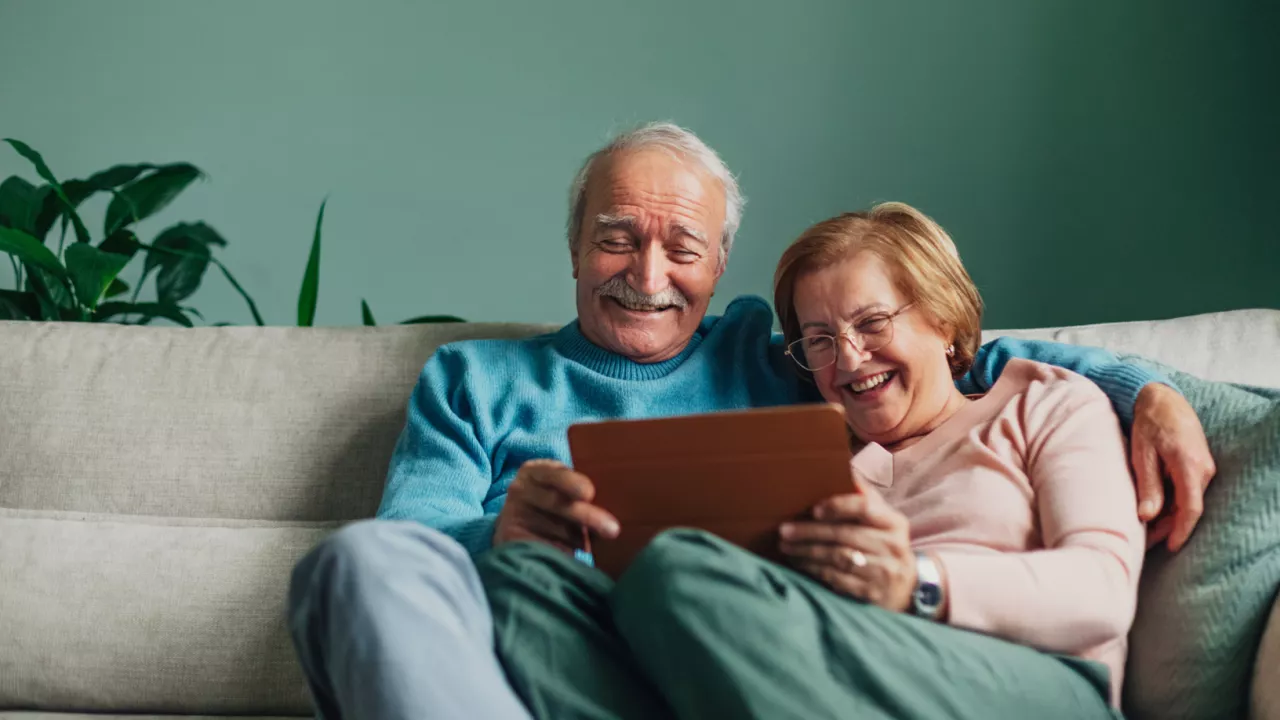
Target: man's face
[649,255]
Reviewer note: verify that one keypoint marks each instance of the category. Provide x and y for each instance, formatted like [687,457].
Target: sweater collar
[575,346]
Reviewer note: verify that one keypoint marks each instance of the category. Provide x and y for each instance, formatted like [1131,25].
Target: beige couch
[157,486]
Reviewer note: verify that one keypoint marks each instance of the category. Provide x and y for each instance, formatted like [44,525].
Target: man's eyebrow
[679,228]
[621,222]
[814,324]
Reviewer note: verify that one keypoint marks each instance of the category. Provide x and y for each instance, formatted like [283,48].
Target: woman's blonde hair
[924,260]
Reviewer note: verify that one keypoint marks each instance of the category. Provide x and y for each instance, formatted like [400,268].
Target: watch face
[929,595]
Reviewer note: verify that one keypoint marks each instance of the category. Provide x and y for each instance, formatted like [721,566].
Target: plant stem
[253,308]
[17,274]
[62,239]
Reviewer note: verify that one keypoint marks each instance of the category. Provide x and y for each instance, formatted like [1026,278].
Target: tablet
[737,474]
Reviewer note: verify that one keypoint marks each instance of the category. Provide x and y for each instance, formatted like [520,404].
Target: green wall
[1094,161]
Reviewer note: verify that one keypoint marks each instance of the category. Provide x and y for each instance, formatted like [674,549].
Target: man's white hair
[677,140]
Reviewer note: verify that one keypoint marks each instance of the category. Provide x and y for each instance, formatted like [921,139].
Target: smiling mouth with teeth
[870,383]
[641,308]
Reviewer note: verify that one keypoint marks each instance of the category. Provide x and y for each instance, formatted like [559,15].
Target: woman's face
[889,394]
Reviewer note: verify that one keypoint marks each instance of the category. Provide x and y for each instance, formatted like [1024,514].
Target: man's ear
[573,258]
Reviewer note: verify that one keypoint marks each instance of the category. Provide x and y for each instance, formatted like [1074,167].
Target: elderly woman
[985,567]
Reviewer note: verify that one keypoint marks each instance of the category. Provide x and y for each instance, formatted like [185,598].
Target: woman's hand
[857,545]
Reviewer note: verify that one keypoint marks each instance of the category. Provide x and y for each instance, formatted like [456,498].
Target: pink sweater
[1026,499]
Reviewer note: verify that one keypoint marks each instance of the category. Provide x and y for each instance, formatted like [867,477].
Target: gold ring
[857,558]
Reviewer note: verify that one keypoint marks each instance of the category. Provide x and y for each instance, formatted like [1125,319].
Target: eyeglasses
[815,352]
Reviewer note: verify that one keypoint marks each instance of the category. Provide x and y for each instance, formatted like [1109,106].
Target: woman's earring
[951,351]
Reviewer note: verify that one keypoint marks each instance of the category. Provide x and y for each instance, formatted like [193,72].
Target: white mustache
[618,289]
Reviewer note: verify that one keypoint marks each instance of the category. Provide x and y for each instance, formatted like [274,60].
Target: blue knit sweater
[481,408]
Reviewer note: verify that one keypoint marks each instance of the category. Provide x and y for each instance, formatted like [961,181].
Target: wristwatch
[928,598]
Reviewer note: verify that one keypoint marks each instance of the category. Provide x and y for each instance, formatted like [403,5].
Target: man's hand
[1168,438]
[549,502]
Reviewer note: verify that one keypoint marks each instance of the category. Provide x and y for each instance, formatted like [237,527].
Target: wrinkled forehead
[660,183]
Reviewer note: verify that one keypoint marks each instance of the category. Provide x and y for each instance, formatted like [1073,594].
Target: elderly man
[389,617]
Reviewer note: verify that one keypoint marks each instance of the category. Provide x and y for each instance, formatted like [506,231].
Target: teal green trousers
[698,628]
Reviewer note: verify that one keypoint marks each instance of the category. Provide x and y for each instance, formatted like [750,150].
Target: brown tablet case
[737,474]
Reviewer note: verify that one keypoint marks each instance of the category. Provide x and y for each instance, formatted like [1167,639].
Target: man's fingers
[594,518]
[576,512]
[1150,486]
[1189,506]
[1159,531]
[559,477]
[1192,471]
[550,528]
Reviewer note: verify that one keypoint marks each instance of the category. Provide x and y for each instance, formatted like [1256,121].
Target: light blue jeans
[390,621]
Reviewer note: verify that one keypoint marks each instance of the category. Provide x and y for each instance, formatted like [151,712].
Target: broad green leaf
[16,305]
[123,242]
[366,314]
[148,311]
[310,291]
[180,276]
[9,311]
[78,191]
[158,255]
[48,310]
[118,175]
[30,250]
[92,271]
[117,288]
[425,319]
[197,231]
[52,207]
[20,204]
[82,233]
[50,210]
[183,260]
[148,195]
[52,292]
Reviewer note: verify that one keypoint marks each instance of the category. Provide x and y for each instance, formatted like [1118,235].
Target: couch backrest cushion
[241,423]
[1240,346]
[299,423]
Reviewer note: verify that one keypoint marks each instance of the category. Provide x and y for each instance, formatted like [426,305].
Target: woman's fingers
[840,557]
[867,539]
[866,507]
[842,582]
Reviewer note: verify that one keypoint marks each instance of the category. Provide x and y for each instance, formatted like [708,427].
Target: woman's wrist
[929,593]
[944,610]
